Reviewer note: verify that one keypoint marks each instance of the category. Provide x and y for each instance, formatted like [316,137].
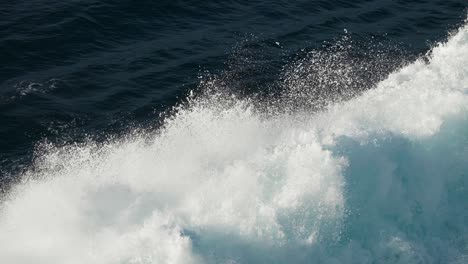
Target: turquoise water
[377,177]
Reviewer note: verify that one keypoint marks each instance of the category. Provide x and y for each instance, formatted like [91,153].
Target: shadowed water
[335,134]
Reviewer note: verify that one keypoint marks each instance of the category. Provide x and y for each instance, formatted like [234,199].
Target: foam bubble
[378,178]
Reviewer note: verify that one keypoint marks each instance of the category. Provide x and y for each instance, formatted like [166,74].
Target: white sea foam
[380,178]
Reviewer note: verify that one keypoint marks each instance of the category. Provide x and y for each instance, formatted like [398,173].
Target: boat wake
[379,178]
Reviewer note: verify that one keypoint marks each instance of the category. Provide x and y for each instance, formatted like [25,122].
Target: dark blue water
[91,72]
[95,66]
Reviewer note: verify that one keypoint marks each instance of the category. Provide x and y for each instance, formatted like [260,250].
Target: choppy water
[235,132]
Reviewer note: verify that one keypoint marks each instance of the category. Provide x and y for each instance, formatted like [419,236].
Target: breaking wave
[380,177]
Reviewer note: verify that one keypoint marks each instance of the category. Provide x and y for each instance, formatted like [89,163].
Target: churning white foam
[223,183]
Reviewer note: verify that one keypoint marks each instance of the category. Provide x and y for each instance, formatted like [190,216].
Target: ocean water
[233,132]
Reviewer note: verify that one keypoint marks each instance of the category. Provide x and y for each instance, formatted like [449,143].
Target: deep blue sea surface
[234,131]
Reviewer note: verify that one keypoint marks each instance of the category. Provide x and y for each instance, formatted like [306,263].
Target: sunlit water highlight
[379,178]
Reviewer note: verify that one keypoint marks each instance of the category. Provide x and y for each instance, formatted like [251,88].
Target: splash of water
[380,178]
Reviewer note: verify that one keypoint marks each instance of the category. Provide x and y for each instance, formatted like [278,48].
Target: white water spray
[380,178]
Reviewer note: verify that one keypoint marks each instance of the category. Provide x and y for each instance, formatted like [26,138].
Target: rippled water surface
[233,131]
